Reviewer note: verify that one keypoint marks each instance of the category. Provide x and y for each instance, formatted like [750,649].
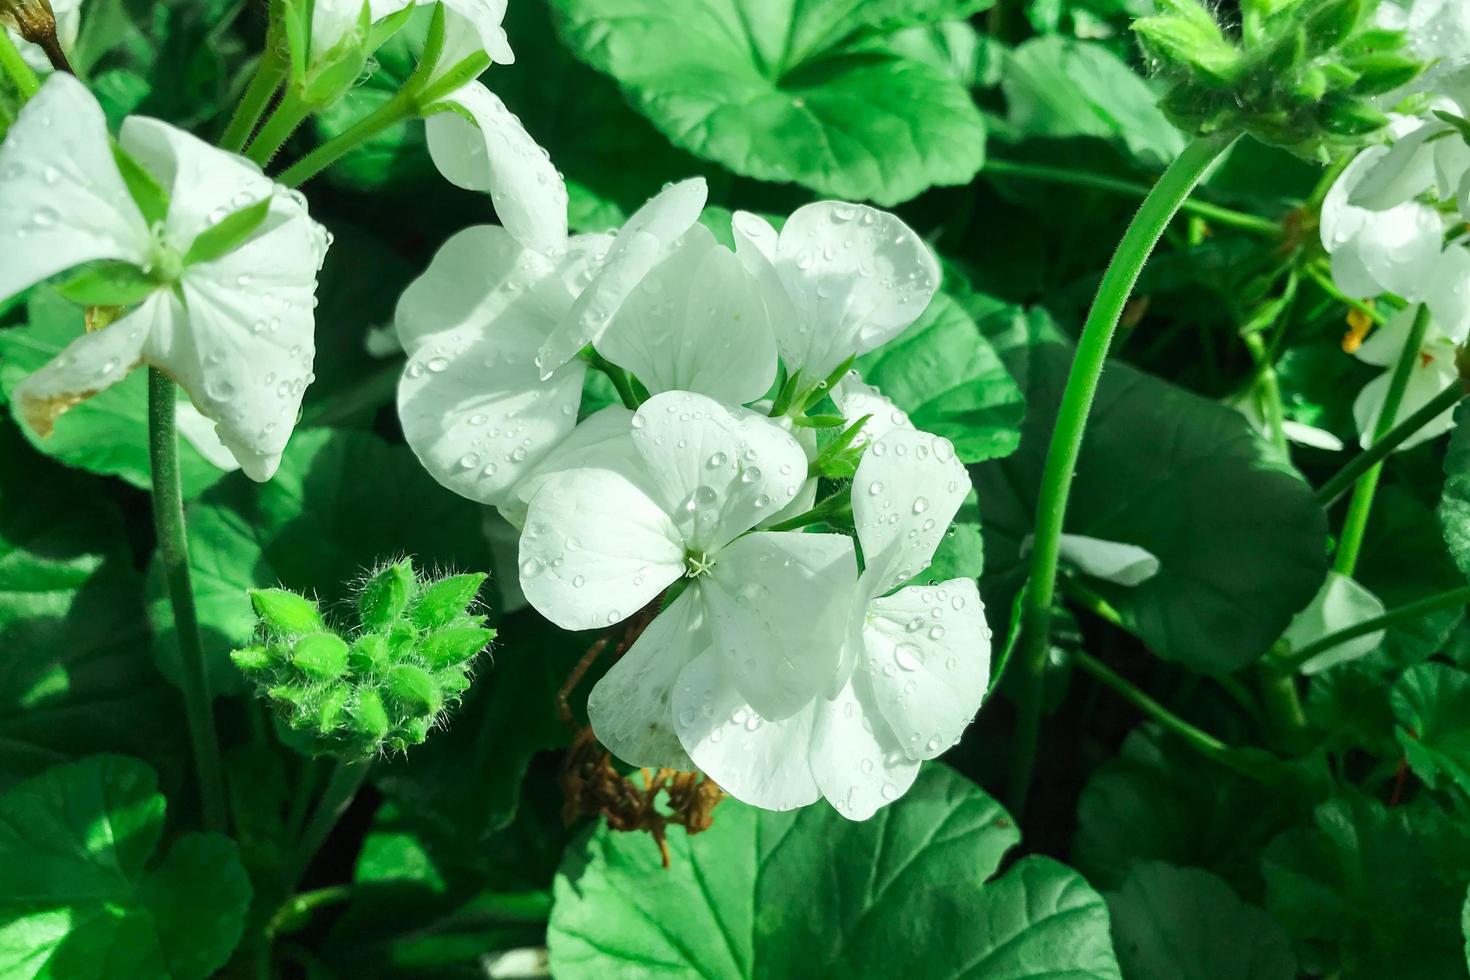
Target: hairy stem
[1138,242]
[395,110]
[269,74]
[289,113]
[345,781]
[173,555]
[1355,524]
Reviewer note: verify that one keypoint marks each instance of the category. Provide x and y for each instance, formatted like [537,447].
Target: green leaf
[1454,506]
[1382,887]
[1403,559]
[75,672]
[107,433]
[81,894]
[1174,923]
[808,894]
[790,90]
[108,284]
[1350,705]
[229,233]
[1059,87]
[1157,801]
[1241,541]
[1431,703]
[949,380]
[340,503]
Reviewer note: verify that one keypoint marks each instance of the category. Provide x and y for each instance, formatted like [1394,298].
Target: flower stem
[289,113]
[619,379]
[1270,391]
[1138,242]
[1080,178]
[15,66]
[268,76]
[1335,487]
[395,110]
[1294,660]
[1355,524]
[343,785]
[173,554]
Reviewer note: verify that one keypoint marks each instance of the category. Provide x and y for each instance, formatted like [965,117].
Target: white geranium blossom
[840,279]
[470,26]
[1432,372]
[1378,251]
[235,331]
[1339,604]
[473,406]
[856,399]
[768,607]
[915,668]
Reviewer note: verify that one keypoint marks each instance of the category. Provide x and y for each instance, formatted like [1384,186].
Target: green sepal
[282,611]
[228,234]
[369,717]
[1462,126]
[451,645]
[320,655]
[1185,34]
[1352,118]
[146,192]
[415,687]
[292,694]
[369,654]
[1334,21]
[446,600]
[253,658]
[416,730]
[109,283]
[385,596]
[819,421]
[1383,71]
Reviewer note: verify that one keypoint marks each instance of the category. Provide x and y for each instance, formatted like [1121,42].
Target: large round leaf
[1240,539]
[809,894]
[790,90]
[81,896]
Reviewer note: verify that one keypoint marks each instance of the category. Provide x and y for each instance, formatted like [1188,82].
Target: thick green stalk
[1355,524]
[173,555]
[289,113]
[1138,242]
[16,68]
[1329,492]
[343,785]
[269,74]
[1229,217]
[1422,607]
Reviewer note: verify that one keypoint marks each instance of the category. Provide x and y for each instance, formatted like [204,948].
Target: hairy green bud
[382,686]
[1300,74]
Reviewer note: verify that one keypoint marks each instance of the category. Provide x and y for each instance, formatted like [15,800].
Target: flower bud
[384,686]
[31,19]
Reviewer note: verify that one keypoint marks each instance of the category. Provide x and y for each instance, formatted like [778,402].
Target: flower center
[697,564]
[165,263]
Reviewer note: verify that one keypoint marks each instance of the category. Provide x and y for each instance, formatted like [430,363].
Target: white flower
[1438,33]
[915,667]
[840,279]
[1433,371]
[1430,157]
[1339,604]
[473,406]
[1385,251]
[234,331]
[856,399]
[480,145]
[68,15]
[470,27]
[768,607]
[645,240]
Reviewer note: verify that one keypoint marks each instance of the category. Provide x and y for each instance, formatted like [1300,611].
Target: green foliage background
[1348,856]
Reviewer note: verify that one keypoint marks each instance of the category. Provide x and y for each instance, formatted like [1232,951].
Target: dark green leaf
[1431,703]
[1403,559]
[81,895]
[1454,507]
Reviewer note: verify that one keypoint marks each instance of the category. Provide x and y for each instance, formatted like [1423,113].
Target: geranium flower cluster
[790,657]
[1393,222]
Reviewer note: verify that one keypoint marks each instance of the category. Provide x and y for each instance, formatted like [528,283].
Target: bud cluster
[383,687]
[1300,74]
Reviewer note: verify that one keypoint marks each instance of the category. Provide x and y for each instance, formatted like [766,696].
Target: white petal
[1112,561]
[907,489]
[205,184]
[641,244]
[631,708]
[602,441]
[96,360]
[807,495]
[1340,221]
[1451,164]
[200,433]
[1340,603]
[928,657]
[595,550]
[857,277]
[473,406]
[779,603]
[717,471]
[474,25]
[62,200]
[1448,296]
[331,22]
[855,758]
[1430,376]
[1309,435]
[480,145]
[696,323]
[1378,251]
[1403,173]
[754,238]
[245,355]
[1383,344]
[756,760]
[856,399]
